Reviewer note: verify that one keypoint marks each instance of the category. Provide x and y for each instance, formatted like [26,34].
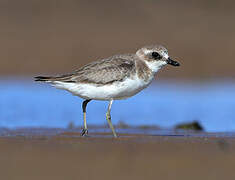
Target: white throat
[155,65]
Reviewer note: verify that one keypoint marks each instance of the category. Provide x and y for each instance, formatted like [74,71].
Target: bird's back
[105,71]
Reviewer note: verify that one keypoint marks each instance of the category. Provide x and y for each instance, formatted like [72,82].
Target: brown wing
[106,71]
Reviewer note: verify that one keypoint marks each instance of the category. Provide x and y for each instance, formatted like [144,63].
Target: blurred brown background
[56,36]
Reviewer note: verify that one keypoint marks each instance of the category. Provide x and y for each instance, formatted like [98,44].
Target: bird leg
[108,118]
[84,130]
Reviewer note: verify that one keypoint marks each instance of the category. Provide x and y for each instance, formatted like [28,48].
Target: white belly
[116,90]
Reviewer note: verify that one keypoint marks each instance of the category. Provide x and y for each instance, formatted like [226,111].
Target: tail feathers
[52,79]
[43,78]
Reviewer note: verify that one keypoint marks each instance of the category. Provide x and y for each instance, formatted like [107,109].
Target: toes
[84,132]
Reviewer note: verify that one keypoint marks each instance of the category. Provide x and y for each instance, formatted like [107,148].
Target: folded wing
[106,71]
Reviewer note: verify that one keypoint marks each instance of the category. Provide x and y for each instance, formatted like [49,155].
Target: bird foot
[84,132]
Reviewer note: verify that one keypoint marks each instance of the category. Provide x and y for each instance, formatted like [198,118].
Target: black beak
[172,62]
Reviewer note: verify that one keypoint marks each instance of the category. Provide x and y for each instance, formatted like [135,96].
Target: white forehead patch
[165,54]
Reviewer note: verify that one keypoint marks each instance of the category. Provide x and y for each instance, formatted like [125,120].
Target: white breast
[116,90]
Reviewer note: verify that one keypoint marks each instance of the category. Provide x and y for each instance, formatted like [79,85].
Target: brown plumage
[115,68]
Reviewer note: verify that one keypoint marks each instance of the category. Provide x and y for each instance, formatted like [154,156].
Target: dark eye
[156,55]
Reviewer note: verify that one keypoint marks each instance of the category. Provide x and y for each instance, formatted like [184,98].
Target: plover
[114,78]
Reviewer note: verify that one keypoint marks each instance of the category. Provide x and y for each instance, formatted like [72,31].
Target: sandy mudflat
[64,155]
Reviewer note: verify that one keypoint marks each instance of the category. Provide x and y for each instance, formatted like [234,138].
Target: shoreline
[39,155]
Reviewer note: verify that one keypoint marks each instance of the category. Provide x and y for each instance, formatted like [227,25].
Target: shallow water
[165,104]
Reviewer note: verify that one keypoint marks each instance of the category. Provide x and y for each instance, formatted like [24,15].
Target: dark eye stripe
[156,55]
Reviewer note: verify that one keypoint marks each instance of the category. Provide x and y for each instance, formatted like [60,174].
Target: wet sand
[63,154]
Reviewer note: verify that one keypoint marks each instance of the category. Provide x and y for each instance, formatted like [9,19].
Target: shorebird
[114,78]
